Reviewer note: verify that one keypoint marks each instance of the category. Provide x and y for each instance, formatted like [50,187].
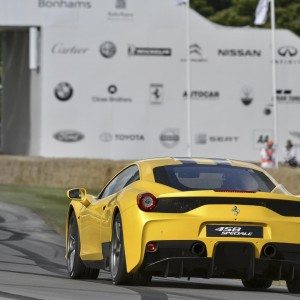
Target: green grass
[50,203]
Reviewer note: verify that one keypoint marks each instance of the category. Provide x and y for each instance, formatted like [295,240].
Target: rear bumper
[229,260]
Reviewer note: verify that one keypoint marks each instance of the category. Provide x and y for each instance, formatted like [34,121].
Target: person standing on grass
[290,158]
[267,155]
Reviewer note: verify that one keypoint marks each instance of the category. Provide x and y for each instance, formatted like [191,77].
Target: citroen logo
[235,210]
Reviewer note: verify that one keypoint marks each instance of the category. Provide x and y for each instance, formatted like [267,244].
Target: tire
[259,284]
[75,266]
[293,285]
[118,269]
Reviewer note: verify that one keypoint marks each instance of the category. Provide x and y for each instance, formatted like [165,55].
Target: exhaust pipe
[198,249]
[270,251]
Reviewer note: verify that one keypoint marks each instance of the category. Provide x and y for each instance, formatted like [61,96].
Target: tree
[241,12]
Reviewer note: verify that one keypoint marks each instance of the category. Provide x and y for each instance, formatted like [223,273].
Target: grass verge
[50,203]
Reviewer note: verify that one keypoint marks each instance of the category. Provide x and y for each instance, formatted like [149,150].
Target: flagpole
[273,47]
[188,81]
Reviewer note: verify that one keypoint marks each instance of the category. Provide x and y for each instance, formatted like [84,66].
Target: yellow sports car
[174,217]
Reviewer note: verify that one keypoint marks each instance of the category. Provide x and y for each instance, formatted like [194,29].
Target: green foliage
[203,6]
[241,12]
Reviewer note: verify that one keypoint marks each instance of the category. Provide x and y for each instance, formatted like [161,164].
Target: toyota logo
[287,51]
[106,137]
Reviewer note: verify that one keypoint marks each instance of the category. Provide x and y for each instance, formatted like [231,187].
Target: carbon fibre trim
[184,204]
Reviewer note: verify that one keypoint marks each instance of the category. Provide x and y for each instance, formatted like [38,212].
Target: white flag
[181,2]
[261,12]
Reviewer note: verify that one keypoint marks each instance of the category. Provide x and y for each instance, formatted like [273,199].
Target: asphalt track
[32,267]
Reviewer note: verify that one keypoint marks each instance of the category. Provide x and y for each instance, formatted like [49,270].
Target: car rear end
[226,220]
[229,235]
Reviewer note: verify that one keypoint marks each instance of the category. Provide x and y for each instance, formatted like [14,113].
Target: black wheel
[117,256]
[293,285]
[118,270]
[75,266]
[259,284]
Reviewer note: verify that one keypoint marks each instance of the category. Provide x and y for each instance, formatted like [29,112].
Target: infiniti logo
[287,51]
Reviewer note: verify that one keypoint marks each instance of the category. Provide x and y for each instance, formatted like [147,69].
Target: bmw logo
[63,91]
[108,49]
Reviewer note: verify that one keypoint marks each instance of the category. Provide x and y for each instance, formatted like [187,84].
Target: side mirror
[79,194]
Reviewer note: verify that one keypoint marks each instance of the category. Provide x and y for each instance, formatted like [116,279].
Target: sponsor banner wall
[113,81]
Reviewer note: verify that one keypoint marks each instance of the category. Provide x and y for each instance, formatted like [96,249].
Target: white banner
[261,12]
[103,94]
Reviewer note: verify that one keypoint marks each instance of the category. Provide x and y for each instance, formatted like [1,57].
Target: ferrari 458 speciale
[174,217]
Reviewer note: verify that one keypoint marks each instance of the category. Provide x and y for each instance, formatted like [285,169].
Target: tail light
[151,247]
[146,201]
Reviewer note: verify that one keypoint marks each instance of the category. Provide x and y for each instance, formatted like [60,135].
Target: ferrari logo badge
[235,210]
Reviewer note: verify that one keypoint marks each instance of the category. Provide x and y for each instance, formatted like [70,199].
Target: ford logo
[68,136]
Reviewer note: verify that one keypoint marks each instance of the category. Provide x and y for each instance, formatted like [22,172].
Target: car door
[96,215]
[128,176]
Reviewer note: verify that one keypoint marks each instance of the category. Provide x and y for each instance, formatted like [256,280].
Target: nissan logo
[68,136]
[287,51]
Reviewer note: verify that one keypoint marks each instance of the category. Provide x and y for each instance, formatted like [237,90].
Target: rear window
[212,177]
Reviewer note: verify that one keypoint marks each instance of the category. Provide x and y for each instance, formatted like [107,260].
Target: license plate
[234,231]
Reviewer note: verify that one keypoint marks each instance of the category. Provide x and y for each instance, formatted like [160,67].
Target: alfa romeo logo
[108,49]
[63,91]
